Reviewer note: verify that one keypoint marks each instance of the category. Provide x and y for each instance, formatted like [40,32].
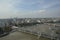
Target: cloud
[42,8]
[50,4]
[41,11]
[7,8]
[37,11]
[27,8]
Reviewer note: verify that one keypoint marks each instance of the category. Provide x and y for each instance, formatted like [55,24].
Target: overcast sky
[29,8]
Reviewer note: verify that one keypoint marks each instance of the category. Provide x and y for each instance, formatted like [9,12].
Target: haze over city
[29,8]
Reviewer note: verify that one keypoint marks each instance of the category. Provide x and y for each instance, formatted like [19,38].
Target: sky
[29,8]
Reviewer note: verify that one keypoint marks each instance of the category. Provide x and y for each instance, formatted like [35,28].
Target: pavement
[19,36]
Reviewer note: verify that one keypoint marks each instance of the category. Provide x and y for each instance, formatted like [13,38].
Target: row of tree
[5,29]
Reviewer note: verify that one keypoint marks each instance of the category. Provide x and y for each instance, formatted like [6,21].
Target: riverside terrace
[44,30]
[40,32]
